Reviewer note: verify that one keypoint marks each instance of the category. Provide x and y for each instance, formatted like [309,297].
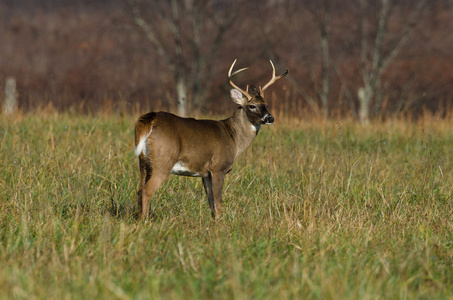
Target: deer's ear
[237,96]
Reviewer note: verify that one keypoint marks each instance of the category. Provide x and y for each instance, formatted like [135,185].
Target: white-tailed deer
[167,144]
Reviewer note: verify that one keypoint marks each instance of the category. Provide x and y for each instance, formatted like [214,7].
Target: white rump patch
[142,145]
[180,169]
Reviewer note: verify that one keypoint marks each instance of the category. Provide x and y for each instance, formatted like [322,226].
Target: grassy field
[312,211]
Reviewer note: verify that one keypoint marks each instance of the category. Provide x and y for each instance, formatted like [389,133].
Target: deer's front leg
[217,185]
[213,184]
[207,184]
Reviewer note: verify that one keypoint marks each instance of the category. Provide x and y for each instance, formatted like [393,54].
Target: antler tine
[230,76]
[274,78]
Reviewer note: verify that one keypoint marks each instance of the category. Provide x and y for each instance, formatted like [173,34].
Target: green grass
[312,211]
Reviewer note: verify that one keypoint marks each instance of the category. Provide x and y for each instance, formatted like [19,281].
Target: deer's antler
[230,76]
[274,78]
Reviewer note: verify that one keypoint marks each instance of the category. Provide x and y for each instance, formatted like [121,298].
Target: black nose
[269,119]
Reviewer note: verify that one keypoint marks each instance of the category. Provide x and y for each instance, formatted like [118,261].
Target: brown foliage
[87,56]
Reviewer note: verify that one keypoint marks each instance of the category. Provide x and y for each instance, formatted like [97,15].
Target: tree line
[360,58]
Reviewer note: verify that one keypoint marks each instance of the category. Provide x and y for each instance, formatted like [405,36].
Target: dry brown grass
[312,210]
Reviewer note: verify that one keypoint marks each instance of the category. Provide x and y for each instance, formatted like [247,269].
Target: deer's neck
[242,131]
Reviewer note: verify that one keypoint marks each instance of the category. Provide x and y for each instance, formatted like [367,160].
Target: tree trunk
[364,94]
[10,96]
[325,89]
[181,95]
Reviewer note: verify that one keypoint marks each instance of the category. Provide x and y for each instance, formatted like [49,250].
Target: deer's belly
[180,169]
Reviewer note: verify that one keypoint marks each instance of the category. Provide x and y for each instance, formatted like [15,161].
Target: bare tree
[320,14]
[320,11]
[187,35]
[376,58]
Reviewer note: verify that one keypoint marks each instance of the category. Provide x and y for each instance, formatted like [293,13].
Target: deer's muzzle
[268,119]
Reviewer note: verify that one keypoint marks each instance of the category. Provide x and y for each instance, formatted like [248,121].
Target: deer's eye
[252,106]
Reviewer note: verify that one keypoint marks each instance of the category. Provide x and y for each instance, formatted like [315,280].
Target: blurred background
[358,58]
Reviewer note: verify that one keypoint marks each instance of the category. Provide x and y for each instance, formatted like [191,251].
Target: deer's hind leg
[154,175]
[145,174]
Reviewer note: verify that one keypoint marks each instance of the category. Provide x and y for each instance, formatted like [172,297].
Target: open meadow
[312,210]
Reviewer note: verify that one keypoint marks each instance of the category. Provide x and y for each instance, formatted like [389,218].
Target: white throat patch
[256,127]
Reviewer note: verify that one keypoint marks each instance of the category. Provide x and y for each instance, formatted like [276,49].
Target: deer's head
[252,98]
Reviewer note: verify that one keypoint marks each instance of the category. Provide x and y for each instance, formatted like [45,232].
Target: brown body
[167,144]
